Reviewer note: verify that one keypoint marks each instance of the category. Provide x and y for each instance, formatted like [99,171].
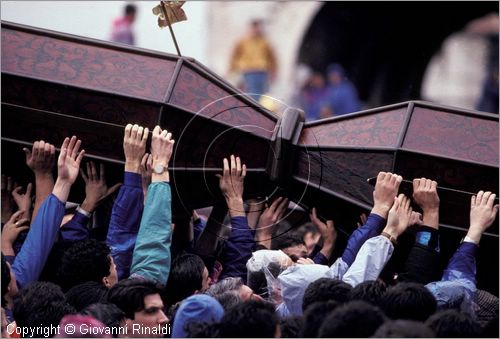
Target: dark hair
[5,280]
[403,329]
[186,277]
[53,263]
[129,294]
[130,9]
[314,317]
[370,291]
[257,281]
[291,327]
[354,319]
[229,299]
[408,300]
[85,294]
[250,319]
[107,313]
[308,227]
[87,260]
[288,239]
[452,323]
[202,330]
[325,289]
[490,330]
[40,304]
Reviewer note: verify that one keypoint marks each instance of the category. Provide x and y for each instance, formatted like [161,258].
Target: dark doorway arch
[385,46]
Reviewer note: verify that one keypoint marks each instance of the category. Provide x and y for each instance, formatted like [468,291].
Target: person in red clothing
[121,30]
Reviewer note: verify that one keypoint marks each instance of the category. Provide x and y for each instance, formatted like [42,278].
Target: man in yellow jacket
[254,58]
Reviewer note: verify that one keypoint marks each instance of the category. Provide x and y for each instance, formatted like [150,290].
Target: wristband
[390,237]
[84,212]
[468,239]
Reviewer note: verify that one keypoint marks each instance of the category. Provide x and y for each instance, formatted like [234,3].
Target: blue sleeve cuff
[378,218]
[10,259]
[469,248]
[132,179]
[320,259]
[81,218]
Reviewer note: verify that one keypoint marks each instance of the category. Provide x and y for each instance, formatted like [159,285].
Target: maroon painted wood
[55,84]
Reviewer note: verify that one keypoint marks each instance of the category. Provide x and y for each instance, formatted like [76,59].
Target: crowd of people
[334,96]
[60,281]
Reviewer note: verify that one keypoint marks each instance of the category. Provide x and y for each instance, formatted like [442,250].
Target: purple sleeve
[373,227]
[31,259]
[124,224]
[237,249]
[198,227]
[320,259]
[75,229]
[464,261]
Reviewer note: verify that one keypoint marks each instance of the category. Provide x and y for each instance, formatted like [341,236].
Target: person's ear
[105,282]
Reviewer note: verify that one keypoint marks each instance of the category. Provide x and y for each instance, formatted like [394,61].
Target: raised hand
[483,211]
[68,165]
[23,201]
[399,217]
[162,146]
[134,146]
[269,219]
[328,232]
[7,201]
[11,230]
[425,195]
[416,218]
[273,214]
[385,191]
[231,183]
[41,158]
[96,189]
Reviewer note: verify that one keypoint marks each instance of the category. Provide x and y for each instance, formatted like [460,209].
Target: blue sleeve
[198,227]
[373,227]
[31,259]
[152,258]
[75,229]
[237,249]
[462,264]
[124,224]
[320,259]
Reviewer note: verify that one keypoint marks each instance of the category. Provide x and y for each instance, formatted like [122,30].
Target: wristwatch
[160,169]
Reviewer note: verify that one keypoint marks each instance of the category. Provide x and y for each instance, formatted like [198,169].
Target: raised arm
[152,257]
[423,263]
[384,193]
[238,247]
[377,251]
[329,235]
[35,250]
[41,161]
[129,204]
[459,277]
[482,215]
[96,190]
[268,221]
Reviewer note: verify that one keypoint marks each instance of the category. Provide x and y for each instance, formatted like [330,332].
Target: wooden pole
[164,10]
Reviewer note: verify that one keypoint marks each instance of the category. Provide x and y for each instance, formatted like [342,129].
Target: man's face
[152,315]
[112,278]
[296,252]
[246,294]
